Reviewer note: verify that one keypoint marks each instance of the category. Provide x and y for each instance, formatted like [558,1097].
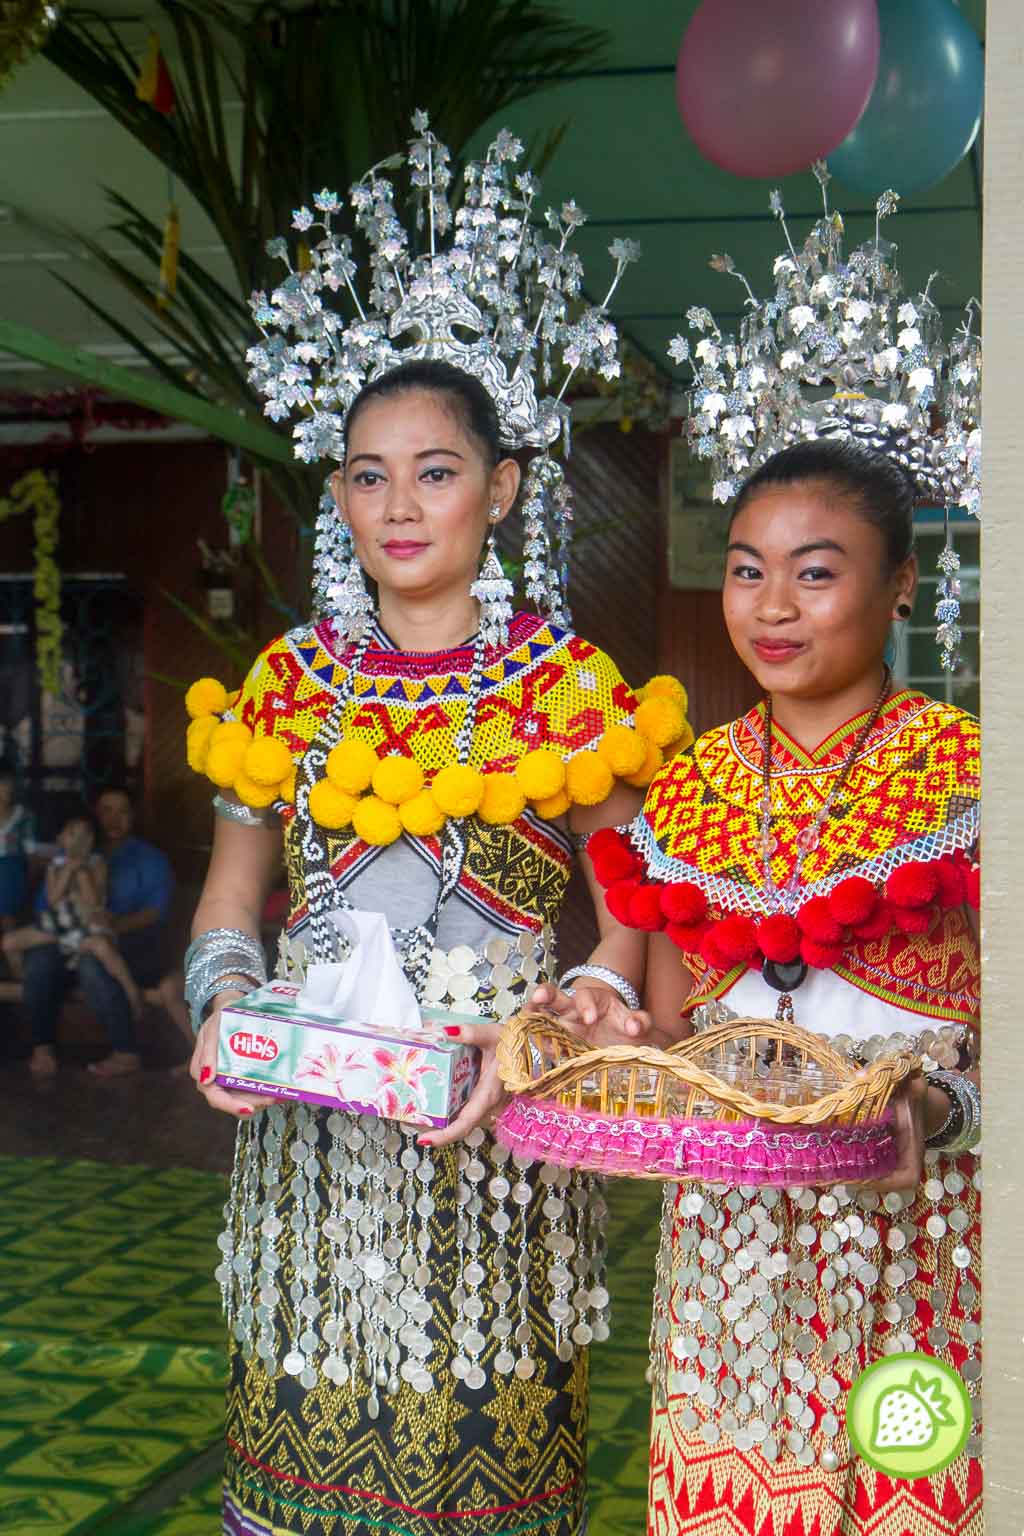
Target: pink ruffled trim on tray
[719,1152]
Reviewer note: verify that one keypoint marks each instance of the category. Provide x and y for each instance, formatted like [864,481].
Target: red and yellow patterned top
[911,798]
[546,689]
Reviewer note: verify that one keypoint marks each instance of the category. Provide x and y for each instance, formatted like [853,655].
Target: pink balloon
[765,87]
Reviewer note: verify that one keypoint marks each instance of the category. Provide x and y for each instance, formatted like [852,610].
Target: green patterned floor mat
[111,1362]
[111,1353]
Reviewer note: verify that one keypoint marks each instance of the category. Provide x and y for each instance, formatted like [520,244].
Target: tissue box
[268,1044]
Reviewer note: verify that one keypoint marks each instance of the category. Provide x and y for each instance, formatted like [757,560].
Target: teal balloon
[925,110]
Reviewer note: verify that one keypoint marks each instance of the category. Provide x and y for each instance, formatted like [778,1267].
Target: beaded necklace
[785,978]
[416,944]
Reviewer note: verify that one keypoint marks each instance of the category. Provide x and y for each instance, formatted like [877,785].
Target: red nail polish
[245,1110]
[206,1074]
[452,1029]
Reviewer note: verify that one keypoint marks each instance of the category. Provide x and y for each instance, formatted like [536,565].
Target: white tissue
[369,987]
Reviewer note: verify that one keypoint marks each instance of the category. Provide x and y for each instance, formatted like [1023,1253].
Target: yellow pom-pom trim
[206,697]
[376,822]
[458,789]
[421,816]
[197,741]
[286,788]
[665,687]
[230,730]
[681,743]
[503,801]
[331,807]
[623,749]
[350,766]
[254,794]
[267,762]
[660,720]
[653,763]
[397,779]
[554,805]
[541,774]
[588,779]
[224,762]
[202,728]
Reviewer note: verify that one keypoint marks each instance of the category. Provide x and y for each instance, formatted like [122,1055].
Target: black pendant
[784,977]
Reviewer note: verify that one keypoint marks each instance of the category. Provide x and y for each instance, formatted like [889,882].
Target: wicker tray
[636,1111]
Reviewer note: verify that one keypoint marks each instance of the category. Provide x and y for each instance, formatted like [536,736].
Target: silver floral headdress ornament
[492,293]
[839,351]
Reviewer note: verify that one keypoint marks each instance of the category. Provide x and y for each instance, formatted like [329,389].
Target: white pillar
[1002,711]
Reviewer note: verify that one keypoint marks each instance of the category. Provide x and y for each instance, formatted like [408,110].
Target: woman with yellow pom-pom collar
[378,744]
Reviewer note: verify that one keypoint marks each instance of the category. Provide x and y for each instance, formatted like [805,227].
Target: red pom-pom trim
[779,938]
[913,919]
[603,841]
[952,890]
[683,903]
[613,864]
[912,885]
[645,909]
[972,885]
[822,957]
[618,897]
[736,939]
[818,924]
[878,924]
[688,936]
[819,931]
[710,951]
[853,901]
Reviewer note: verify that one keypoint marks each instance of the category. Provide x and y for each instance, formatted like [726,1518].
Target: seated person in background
[139,889]
[17,841]
[73,914]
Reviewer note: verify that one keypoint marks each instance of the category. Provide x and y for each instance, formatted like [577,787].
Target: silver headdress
[485,289]
[837,351]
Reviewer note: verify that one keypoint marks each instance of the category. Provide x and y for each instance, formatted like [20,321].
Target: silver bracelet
[961,1129]
[971,1100]
[234,810]
[215,957]
[626,990]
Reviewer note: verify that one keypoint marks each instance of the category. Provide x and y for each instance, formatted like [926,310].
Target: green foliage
[274,102]
[324,90]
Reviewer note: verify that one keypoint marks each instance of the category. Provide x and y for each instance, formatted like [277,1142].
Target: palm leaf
[224,299]
[236,643]
[326,89]
[167,371]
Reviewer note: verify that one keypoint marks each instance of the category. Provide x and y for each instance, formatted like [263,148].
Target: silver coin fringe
[747,1282]
[358,1246]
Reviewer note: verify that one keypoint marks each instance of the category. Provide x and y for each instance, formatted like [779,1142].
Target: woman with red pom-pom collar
[822,850]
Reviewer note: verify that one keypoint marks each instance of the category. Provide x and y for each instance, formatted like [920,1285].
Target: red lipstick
[778,650]
[403,549]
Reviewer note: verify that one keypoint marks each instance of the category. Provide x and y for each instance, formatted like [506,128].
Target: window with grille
[917,654]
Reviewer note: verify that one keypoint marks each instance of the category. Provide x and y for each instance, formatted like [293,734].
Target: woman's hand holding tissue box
[488,1097]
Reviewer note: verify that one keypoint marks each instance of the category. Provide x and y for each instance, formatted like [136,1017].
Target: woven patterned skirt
[459,1459]
[769,1304]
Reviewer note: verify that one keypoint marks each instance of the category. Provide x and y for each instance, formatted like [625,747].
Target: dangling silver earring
[353,610]
[547,500]
[339,588]
[493,591]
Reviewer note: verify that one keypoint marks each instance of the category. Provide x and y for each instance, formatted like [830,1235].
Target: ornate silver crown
[837,351]
[484,289]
